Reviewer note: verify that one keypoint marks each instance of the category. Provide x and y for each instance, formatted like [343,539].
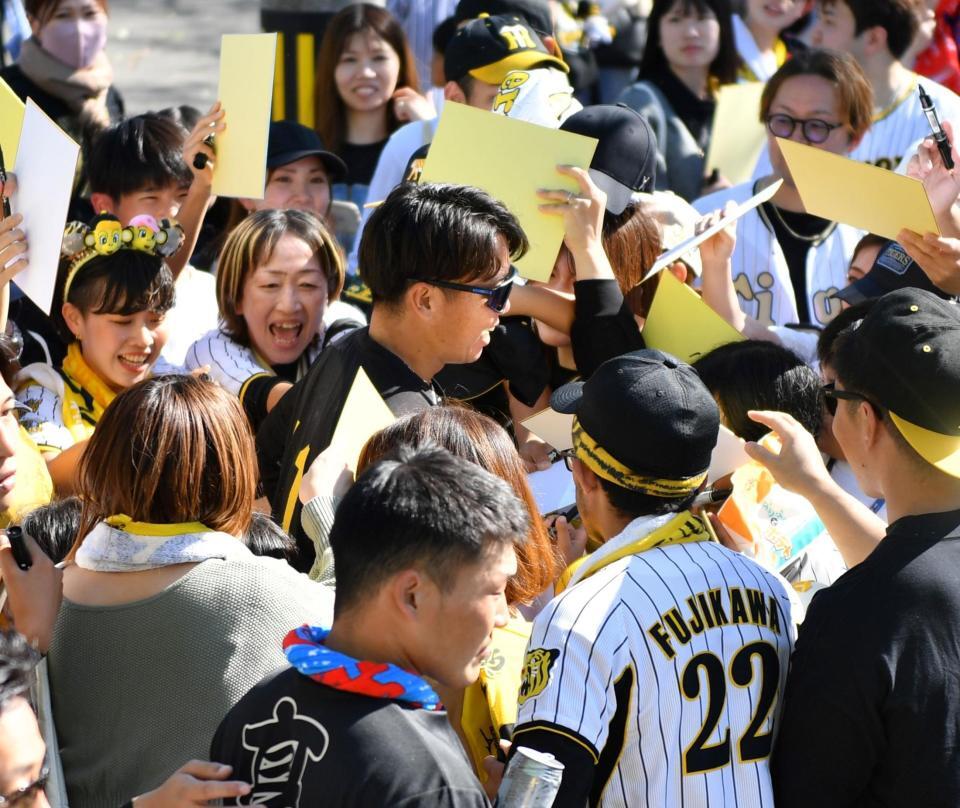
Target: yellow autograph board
[246,92]
[364,413]
[737,136]
[12,110]
[511,160]
[858,194]
[680,323]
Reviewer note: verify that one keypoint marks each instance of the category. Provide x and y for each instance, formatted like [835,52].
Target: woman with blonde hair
[167,618]
[278,281]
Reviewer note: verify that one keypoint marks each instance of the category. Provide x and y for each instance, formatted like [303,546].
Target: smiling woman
[109,305]
[367,86]
[278,273]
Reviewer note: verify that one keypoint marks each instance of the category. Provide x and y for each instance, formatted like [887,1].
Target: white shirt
[389,171]
[896,131]
[648,642]
[760,272]
[194,313]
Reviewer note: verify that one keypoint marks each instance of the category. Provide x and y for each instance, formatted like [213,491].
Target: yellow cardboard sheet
[11,122]
[552,427]
[858,194]
[364,413]
[511,160]
[680,323]
[246,92]
[737,136]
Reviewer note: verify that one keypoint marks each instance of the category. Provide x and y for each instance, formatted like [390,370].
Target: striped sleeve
[231,365]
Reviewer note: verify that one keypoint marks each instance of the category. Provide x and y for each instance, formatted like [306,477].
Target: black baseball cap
[290,141]
[908,350]
[645,415]
[626,157]
[535,12]
[892,270]
[490,47]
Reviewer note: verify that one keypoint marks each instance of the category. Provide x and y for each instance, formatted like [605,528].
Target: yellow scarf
[85,395]
[683,528]
[605,465]
[34,486]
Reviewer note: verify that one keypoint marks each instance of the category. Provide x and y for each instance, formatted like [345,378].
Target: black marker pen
[943,142]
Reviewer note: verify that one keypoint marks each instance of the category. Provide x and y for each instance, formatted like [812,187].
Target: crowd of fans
[204,597]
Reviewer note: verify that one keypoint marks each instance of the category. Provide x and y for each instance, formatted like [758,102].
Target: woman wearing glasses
[787,264]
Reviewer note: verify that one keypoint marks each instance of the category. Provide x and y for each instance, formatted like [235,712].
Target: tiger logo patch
[536,672]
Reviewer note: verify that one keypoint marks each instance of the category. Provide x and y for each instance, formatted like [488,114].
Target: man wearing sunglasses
[787,264]
[438,260]
[871,713]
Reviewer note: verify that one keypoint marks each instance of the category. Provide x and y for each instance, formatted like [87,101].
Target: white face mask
[74,42]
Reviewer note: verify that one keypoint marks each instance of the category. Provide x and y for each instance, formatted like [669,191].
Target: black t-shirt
[515,355]
[795,249]
[361,161]
[302,424]
[872,707]
[301,743]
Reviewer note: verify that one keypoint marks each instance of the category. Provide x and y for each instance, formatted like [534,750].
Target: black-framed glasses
[28,793]
[566,455]
[832,394]
[814,130]
[497,296]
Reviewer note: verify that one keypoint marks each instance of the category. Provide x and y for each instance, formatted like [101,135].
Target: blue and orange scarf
[306,652]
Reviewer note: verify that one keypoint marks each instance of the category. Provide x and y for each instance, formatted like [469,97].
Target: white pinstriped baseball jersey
[668,665]
[894,135]
[760,272]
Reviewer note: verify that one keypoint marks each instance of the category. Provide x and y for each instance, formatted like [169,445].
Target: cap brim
[939,450]
[497,72]
[336,168]
[864,288]
[566,399]
[618,194]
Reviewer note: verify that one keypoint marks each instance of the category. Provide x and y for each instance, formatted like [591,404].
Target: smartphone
[19,547]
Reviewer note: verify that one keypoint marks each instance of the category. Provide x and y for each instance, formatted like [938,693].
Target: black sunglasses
[832,394]
[814,130]
[28,792]
[496,296]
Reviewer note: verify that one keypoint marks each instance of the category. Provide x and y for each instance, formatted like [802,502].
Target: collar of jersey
[380,680]
[643,533]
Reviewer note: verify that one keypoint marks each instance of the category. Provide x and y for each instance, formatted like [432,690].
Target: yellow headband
[605,465]
[82,243]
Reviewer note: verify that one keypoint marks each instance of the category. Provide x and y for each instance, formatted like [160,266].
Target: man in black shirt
[424,546]
[872,714]
[438,261]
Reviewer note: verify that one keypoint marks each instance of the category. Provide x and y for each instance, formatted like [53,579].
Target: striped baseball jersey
[760,272]
[666,666]
[896,131]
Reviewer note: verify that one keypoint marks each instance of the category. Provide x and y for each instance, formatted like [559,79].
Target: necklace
[815,239]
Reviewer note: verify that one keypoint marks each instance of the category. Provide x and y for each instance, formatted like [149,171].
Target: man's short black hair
[826,342]
[145,151]
[435,232]
[54,526]
[17,661]
[761,375]
[420,508]
[899,18]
